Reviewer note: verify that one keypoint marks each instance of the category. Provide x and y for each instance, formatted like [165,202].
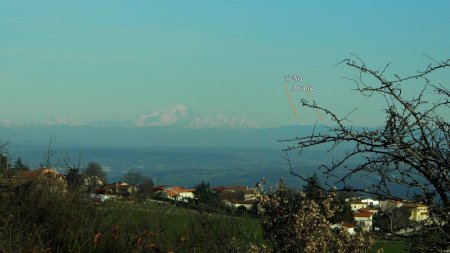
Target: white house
[178,193]
[364,220]
[371,202]
[357,204]
[419,212]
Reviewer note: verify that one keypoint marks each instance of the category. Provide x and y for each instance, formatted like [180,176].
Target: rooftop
[357,201]
[367,209]
[364,214]
[348,224]
[176,190]
[50,173]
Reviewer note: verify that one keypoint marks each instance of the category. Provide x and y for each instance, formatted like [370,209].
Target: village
[386,217]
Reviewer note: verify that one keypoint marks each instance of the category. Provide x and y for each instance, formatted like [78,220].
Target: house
[371,202]
[123,188]
[178,193]
[250,194]
[356,204]
[363,220]
[117,188]
[45,176]
[419,212]
[236,193]
[158,189]
[346,226]
[247,204]
[368,209]
[42,173]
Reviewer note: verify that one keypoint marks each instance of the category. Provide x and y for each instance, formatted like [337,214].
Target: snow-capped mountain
[182,116]
[61,121]
[177,116]
[55,121]
[168,117]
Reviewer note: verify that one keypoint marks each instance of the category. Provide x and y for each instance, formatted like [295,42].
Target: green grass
[171,222]
[170,225]
[390,246]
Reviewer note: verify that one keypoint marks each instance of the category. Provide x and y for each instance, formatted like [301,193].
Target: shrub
[34,217]
[292,222]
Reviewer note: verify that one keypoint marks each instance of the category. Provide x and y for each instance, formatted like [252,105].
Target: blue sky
[113,60]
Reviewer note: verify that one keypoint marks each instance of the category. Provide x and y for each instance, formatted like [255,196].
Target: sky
[114,60]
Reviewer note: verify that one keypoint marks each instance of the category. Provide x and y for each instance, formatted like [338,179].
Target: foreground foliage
[411,151]
[35,217]
[292,222]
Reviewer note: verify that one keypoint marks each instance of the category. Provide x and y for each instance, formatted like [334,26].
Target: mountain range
[177,116]
[175,126]
[175,141]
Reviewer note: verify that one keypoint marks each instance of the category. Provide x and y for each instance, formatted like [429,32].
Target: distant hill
[177,126]
[154,136]
[174,154]
[184,166]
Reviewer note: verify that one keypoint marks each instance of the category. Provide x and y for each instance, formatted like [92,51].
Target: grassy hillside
[169,227]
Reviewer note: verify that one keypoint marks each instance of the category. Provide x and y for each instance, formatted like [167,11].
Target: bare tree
[411,149]
[94,176]
[134,178]
[48,156]
[4,161]
[94,169]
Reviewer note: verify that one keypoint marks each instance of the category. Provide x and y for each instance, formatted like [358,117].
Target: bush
[294,222]
[34,217]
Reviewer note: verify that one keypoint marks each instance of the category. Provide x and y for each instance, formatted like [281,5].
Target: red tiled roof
[365,214]
[158,188]
[171,192]
[368,209]
[175,190]
[181,189]
[348,225]
[41,171]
